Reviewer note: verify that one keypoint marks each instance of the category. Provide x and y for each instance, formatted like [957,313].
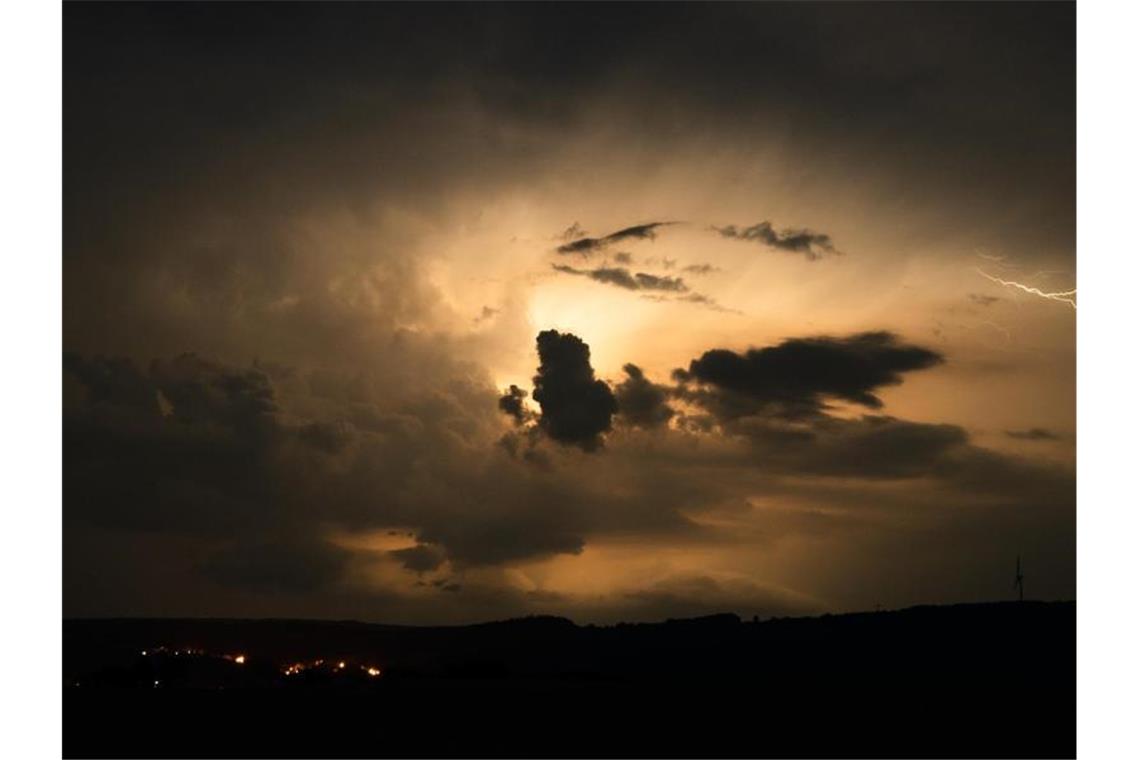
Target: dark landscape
[981,680]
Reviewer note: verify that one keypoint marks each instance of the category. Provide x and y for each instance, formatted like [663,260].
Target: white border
[30,388]
[1108,380]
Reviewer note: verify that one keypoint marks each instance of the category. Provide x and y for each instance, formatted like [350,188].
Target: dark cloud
[655,282]
[588,245]
[796,377]
[623,278]
[1032,434]
[641,402]
[622,257]
[700,269]
[618,276]
[230,465]
[577,408]
[813,245]
[203,390]
[511,403]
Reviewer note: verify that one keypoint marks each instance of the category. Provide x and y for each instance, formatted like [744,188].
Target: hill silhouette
[993,680]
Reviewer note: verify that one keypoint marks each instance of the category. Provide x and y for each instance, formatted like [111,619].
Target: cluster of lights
[340,665]
[289,670]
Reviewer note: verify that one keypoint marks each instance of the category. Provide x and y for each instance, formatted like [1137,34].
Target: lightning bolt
[1065,296]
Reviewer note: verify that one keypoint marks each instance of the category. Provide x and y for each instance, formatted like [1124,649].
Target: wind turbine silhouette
[1019,581]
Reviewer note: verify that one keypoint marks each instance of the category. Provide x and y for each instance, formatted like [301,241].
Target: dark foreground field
[995,680]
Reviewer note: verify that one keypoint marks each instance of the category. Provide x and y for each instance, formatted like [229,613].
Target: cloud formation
[577,408]
[641,402]
[587,245]
[796,377]
[623,278]
[813,245]
[511,404]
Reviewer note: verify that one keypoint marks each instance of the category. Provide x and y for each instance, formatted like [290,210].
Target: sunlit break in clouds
[433,315]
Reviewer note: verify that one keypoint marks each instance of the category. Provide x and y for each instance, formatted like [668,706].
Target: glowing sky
[309,249]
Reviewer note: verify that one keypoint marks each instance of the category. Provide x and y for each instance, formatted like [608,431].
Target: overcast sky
[426,314]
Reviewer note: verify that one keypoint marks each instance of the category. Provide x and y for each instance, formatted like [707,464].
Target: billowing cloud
[587,245]
[812,245]
[577,408]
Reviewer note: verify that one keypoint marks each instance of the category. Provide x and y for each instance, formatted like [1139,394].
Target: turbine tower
[1018,581]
